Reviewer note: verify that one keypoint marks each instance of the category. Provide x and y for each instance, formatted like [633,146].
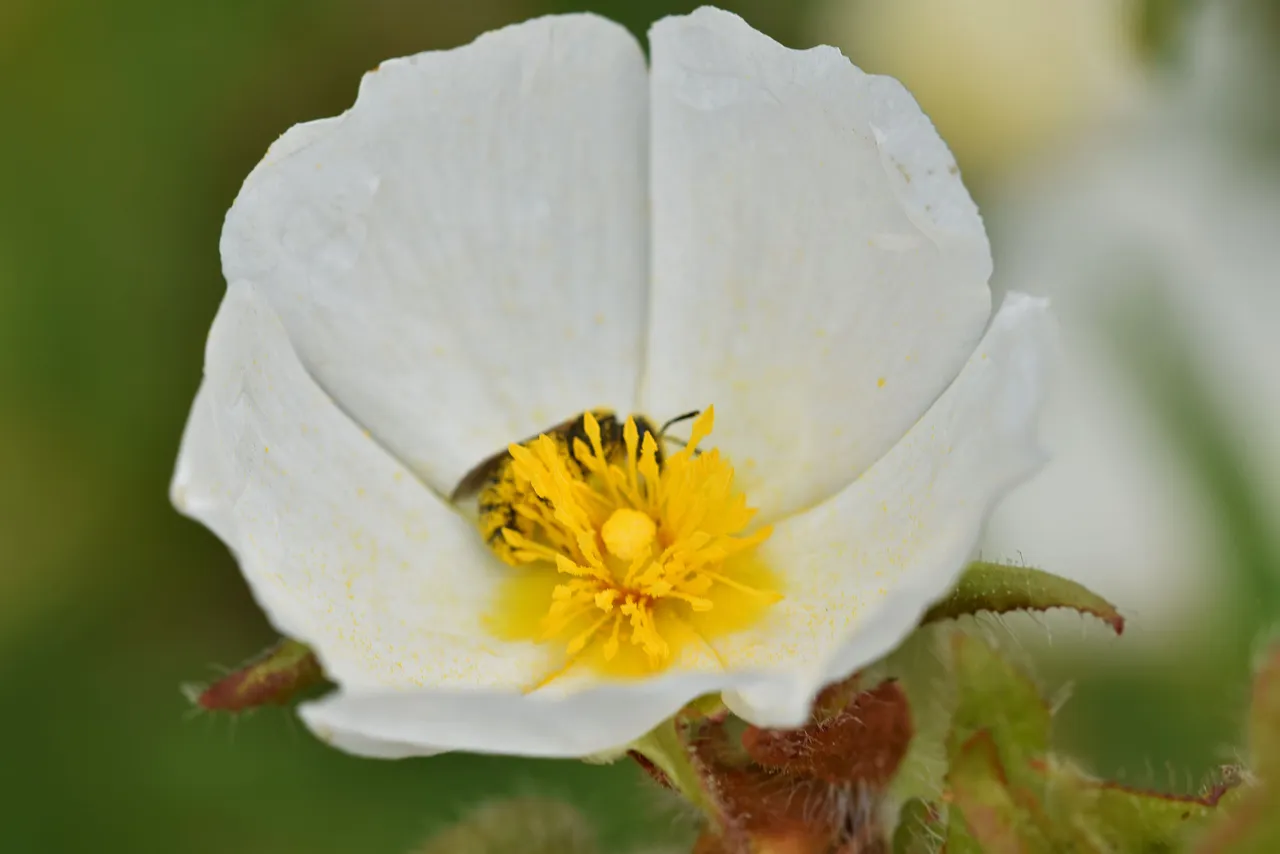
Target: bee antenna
[674,421]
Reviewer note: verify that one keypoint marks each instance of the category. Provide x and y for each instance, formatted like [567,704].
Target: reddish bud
[273,678]
[810,790]
[861,745]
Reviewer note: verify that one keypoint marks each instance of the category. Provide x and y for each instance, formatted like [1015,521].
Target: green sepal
[1104,816]
[705,706]
[995,697]
[1064,810]
[998,588]
[666,749]
[988,814]
[1009,793]
[999,734]
[920,828]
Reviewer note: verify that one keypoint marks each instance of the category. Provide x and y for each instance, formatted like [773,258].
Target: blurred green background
[127,128]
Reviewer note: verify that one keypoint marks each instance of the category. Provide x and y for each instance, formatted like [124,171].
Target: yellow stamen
[640,559]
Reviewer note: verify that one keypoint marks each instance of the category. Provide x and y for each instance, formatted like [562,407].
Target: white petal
[205,481]
[861,568]
[358,744]
[343,548]
[547,724]
[820,273]
[461,258]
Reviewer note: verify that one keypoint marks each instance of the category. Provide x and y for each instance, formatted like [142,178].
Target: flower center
[623,557]
[629,533]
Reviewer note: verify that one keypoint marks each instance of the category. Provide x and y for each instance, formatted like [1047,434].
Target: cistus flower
[499,274]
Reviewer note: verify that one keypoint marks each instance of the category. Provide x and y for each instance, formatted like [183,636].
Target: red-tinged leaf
[274,678]
[862,745]
[980,796]
[995,697]
[1000,589]
[1121,818]
[1126,805]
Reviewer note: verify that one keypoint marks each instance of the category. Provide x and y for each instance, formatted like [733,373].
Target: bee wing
[474,480]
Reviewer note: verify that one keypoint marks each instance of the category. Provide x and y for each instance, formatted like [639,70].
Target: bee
[499,493]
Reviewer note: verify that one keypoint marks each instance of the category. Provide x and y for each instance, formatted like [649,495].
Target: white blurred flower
[1002,79]
[498,237]
[1175,204]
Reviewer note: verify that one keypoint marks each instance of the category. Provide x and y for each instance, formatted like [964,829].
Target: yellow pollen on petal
[629,533]
[626,558]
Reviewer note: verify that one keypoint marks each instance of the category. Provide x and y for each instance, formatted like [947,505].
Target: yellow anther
[629,533]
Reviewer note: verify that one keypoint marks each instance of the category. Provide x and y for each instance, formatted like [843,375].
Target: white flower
[498,237]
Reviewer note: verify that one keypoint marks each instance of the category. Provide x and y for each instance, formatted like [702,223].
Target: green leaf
[995,697]
[920,828]
[274,678]
[1000,589]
